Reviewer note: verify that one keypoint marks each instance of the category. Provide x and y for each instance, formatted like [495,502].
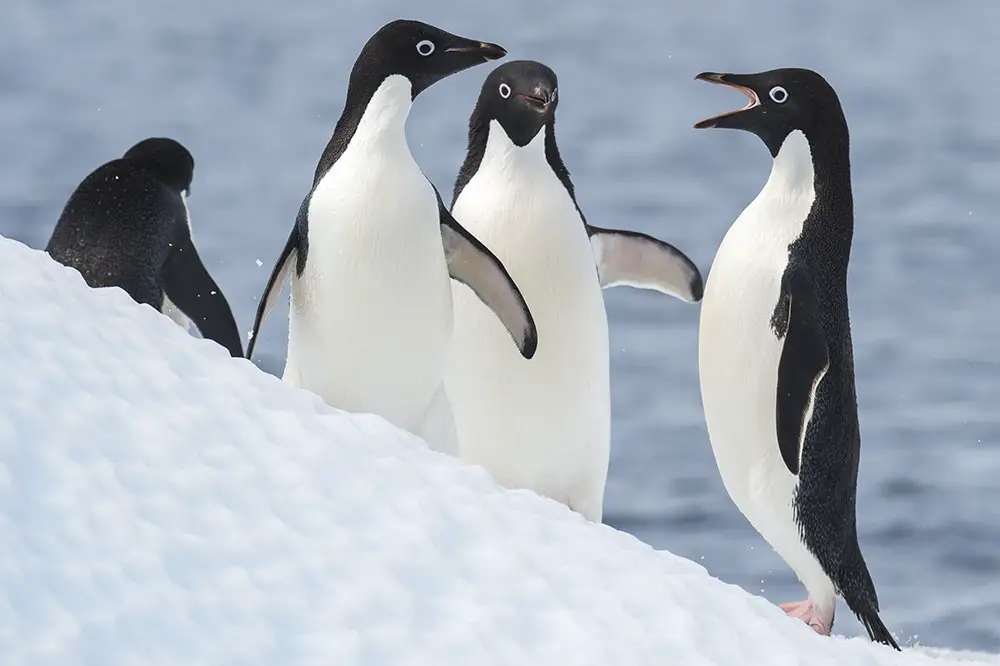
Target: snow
[164,504]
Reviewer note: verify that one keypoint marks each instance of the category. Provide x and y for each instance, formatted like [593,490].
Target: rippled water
[254,89]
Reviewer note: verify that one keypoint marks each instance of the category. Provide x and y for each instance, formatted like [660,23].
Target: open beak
[726,80]
[483,49]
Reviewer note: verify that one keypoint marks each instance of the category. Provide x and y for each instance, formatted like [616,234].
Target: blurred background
[254,89]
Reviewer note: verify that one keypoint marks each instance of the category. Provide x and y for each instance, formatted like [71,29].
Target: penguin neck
[374,118]
[491,148]
[555,161]
[793,169]
[816,167]
[831,148]
[383,114]
[502,153]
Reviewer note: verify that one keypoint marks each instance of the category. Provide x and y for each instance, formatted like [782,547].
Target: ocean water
[254,89]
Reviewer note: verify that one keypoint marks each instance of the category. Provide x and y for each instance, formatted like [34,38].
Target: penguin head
[781,102]
[521,96]
[422,53]
[166,159]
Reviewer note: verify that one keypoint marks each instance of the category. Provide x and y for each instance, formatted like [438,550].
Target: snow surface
[164,504]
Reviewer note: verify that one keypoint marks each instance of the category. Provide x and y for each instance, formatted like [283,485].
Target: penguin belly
[738,356]
[541,424]
[371,317]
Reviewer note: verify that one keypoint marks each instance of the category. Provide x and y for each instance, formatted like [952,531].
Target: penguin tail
[876,629]
[858,590]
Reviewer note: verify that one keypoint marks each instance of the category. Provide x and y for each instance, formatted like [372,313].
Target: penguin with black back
[127,225]
[373,250]
[776,362]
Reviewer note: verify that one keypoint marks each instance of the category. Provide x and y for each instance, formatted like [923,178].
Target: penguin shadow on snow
[775,308]
[127,225]
[514,192]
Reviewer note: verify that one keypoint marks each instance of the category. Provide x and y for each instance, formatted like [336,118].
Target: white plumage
[739,355]
[370,321]
[544,423]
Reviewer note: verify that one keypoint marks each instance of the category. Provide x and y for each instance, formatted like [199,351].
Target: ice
[164,504]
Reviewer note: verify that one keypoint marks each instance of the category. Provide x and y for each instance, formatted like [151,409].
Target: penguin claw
[804,611]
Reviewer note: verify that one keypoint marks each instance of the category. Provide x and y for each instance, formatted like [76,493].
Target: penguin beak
[485,50]
[732,81]
[539,98]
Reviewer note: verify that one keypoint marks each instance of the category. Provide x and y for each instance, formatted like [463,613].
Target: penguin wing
[805,358]
[279,274]
[629,258]
[189,285]
[471,263]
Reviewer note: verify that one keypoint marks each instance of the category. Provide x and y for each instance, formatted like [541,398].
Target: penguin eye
[779,94]
[504,90]
[425,47]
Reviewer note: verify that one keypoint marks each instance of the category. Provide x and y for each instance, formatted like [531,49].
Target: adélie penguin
[127,225]
[775,355]
[373,249]
[542,424]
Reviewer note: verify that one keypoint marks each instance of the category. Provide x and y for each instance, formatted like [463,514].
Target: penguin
[374,249]
[544,424]
[127,225]
[776,364]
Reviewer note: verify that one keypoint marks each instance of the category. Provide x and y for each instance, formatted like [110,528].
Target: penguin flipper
[633,259]
[275,282]
[805,358]
[471,263]
[191,288]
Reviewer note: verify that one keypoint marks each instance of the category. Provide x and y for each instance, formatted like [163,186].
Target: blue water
[254,89]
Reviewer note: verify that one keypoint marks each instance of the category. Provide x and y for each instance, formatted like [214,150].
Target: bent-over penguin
[542,424]
[372,249]
[775,355]
[127,225]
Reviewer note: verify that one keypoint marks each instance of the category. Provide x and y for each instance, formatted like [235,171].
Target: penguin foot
[804,611]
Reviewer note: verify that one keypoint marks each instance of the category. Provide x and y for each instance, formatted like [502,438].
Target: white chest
[738,350]
[541,424]
[519,208]
[739,353]
[370,320]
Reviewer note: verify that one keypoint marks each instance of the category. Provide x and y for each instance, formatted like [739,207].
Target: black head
[167,159]
[781,101]
[521,96]
[420,52]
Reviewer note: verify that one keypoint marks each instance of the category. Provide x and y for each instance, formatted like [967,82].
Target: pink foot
[804,611]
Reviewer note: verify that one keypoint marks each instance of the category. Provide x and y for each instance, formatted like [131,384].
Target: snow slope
[164,504]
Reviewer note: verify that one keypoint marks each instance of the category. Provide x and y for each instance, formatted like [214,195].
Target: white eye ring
[425,47]
[779,94]
[504,90]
